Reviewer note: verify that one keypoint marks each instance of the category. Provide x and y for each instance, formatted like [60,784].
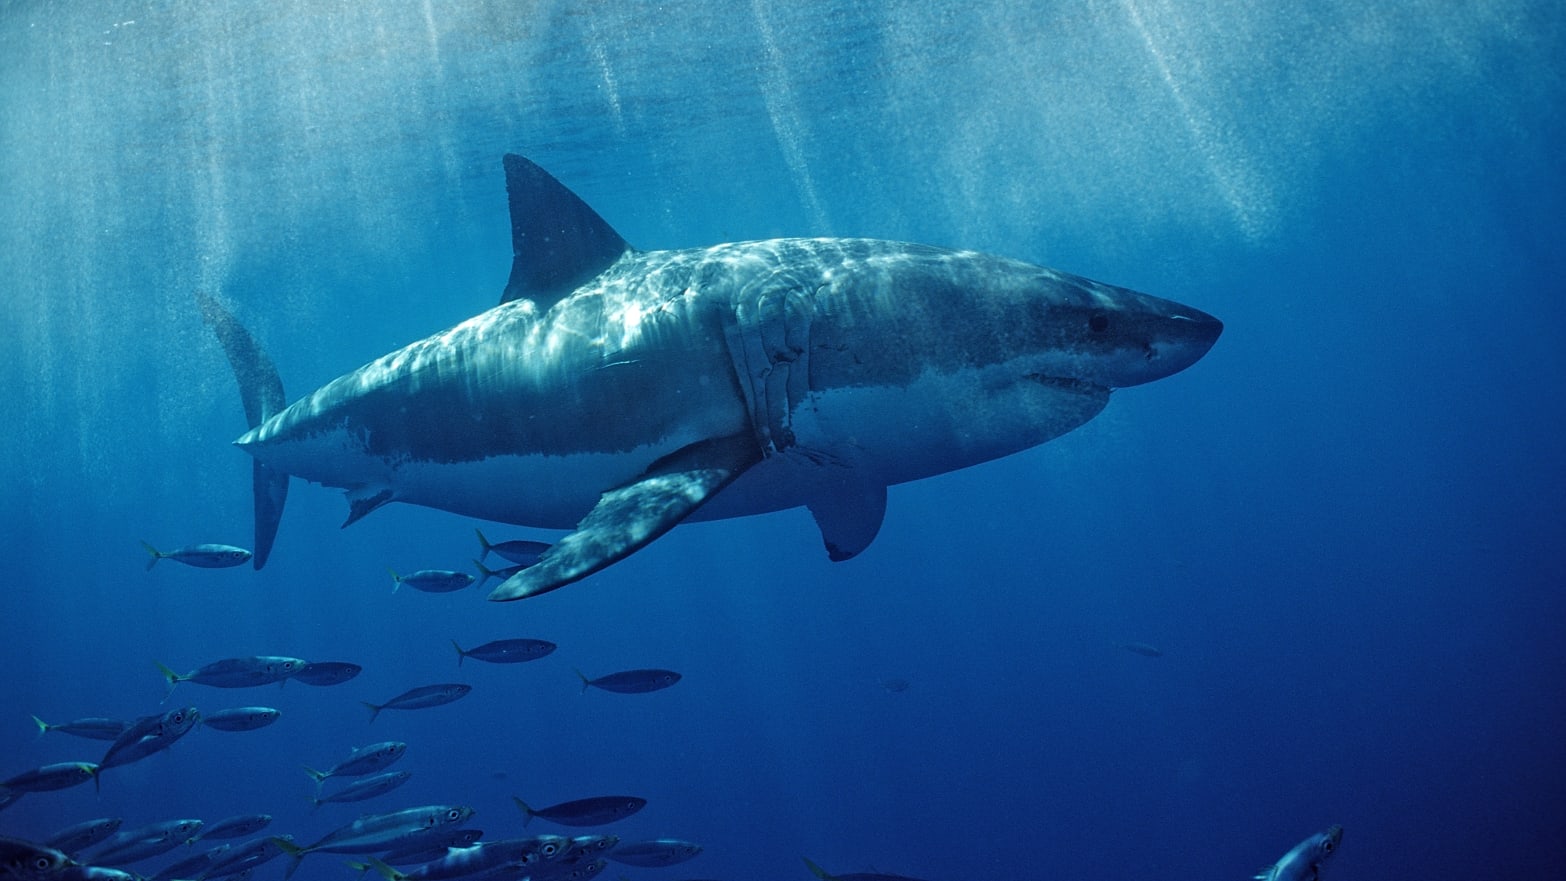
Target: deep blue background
[1343,526]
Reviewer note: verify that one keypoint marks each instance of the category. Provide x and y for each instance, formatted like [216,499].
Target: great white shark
[616,392]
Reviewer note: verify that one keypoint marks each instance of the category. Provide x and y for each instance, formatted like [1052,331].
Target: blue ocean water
[1342,527]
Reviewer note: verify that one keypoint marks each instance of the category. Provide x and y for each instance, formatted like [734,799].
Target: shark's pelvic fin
[849,517]
[628,518]
[364,499]
[557,241]
[261,390]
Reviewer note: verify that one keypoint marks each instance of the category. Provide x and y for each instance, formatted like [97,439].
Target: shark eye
[1327,845]
[1098,322]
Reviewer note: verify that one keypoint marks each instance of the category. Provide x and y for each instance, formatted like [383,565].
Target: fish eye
[453,815]
[549,849]
[1098,322]
[1327,845]
[41,862]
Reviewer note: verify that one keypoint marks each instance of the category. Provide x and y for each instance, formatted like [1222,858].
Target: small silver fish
[373,833]
[149,735]
[1143,649]
[327,672]
[366,788]
[83,835]
[247,856]
[595,811]
[364,760]
[237,827]
[1303,861]
[60,775]
[420,698]
[94,728]
[193,866]
[502,573]
[241,718]
[519,551]
[236,672]
[202,556]
[506,651]
[431,580]
[432,845]
[144,842]
[651,854]
[632,681]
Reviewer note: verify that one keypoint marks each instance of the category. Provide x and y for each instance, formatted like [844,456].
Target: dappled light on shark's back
[617,393]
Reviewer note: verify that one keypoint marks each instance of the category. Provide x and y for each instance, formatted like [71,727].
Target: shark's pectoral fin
[364,499]
[626,519]
[849,516]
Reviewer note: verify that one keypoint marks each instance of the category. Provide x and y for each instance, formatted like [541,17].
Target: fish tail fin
[43,727]
[585,681]
[396,579]
[319,777]
[384,870]
[296,854]
[817,870]
[460,655]
[155,553]
[171,676]
[484,543]
[375,710]
[261,391]
[527,812]
[485,573]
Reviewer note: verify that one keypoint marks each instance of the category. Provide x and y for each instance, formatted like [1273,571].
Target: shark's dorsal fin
[557,241]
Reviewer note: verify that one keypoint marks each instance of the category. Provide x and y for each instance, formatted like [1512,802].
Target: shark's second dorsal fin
[557,242]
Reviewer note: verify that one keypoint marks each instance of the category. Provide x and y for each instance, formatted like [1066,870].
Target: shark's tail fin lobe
[270,487]
[557,241]
[261,390]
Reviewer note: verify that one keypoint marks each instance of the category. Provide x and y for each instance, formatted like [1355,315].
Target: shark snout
[1180,341]
[1161,345]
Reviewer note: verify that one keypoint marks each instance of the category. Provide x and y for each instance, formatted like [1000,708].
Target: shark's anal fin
[629,517]
[261,391]
[849,517]
[557,241]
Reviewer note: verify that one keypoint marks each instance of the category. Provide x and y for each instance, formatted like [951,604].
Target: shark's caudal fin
[626,519]
[261,390]
[557,241]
